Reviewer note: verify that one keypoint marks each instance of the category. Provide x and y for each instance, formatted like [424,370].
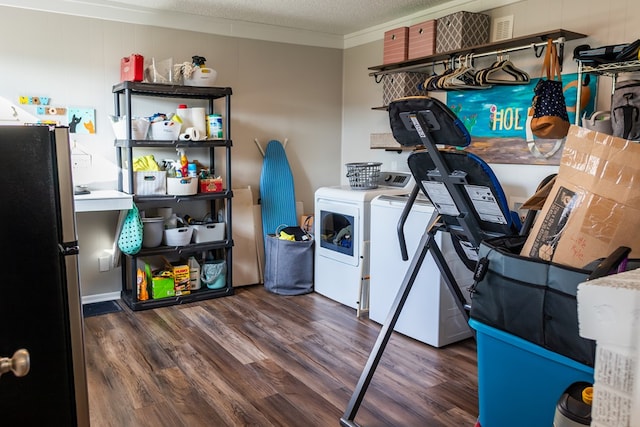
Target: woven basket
[363,176]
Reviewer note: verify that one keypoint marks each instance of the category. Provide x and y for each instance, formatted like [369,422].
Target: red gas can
[131,68]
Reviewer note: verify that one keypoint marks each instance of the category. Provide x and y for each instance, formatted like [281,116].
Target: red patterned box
[422,39]
[396,44]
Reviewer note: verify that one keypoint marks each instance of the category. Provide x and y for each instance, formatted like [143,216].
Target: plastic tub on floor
[520,383]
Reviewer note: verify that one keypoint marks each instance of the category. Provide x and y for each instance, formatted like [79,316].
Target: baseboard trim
[109,296]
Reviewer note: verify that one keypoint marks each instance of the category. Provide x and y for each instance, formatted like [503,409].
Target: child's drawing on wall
[81,120]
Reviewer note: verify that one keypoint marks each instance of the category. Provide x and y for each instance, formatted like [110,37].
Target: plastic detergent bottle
[194,273]
[184,162]
[185,115]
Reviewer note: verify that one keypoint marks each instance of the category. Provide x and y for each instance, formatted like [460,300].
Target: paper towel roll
[199,121]
[191,134]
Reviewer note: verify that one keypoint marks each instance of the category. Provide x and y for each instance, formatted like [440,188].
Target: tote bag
[550,119]
[130,239]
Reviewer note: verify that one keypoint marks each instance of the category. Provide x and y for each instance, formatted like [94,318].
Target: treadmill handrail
[403,219]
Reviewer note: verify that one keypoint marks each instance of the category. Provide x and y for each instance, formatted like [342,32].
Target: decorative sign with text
[497,119]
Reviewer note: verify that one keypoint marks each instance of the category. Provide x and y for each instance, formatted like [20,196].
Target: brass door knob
[19,363]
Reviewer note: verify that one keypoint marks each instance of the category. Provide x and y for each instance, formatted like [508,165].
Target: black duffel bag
[534,299]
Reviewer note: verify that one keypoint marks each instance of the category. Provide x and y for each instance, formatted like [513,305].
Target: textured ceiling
[339,17]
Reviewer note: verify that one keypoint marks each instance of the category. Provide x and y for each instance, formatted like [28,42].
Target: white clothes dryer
[341,231]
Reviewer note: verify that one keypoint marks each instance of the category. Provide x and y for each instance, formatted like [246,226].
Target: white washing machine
[341,230]
[430,313]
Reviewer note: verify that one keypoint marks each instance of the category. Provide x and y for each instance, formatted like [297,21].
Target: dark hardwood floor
[260,359]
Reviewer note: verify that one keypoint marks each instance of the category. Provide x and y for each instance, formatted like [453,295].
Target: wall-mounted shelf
[511,45]
[532,41]
[610,70]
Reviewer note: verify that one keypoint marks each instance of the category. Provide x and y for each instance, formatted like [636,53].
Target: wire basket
[363,176]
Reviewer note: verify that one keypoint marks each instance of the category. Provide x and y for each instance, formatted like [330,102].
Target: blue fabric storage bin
[520,383]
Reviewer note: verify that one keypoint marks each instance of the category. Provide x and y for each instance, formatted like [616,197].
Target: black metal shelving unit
[123,96]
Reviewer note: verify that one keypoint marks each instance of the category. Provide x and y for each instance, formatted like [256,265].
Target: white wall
[280,91]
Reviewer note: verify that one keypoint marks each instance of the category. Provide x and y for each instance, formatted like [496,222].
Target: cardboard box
[210,185]
[396,43]
[162,287]
[399,85]
[182,279]
[594,205]
[462,29]
[422,39]
[306,223]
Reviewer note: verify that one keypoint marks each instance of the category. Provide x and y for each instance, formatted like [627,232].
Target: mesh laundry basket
[363,176]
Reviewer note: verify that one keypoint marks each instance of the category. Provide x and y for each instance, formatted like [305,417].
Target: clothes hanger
[465,78]
[504,72]
[431,83]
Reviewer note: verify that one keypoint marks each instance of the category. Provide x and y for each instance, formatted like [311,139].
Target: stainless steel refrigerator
[40,306]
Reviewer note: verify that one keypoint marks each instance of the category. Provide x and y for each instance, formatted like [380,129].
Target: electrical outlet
[81,161]
[104,262]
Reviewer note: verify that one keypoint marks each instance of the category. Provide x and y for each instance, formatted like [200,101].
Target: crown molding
[111,11]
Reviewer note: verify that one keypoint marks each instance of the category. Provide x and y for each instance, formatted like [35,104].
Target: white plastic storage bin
[165,130]
[208,232]
[146,183]
[184,186]
[139,127]
[180,236]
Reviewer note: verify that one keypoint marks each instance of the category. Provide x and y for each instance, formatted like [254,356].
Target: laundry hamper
[364,175]
[288,266]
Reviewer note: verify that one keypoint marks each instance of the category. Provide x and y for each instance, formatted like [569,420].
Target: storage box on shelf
[422,39]
[395,47]
[162,287]
[399,85]
[147,183]
[461,30]
[179,236]
[208,232]
[182,186]
[210,185]
[175,190]
[165,130]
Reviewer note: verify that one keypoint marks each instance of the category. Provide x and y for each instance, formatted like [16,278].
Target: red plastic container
[131,68]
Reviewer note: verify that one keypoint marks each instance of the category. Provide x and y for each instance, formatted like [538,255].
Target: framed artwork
[81,120]
[496,118]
